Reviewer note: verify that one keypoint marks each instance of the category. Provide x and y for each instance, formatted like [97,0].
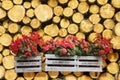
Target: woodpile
[57,19]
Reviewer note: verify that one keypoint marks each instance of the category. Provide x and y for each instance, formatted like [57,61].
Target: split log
[41,76]
[72,28]
[117,29]
[94,75]
[102,2]
[7,4]
[106,76]
[35,23]
[8,62]
[2,13]
[83,7]
[1,57]
[116,42]
[94,9]
[72,77]
[17,1]
[2,72]
[67,12]
[117,16]
[10,74]
[1,47]
[58,10]
[27,5]
[77,17]
[80,35]
[29,75]
[64,23]
[107,11]
[13,27]
[86,26]
[30,13]
[56,19]
[52,30]
[65,73]
[5,52]
[43,12]
[78,74]
[95,18]
[113,68]
[26,30]
[35,3]
[26,20]
[2,30]
[63,1]
[16,13]
[43,66]
[84,77]
[115,3]
[92,37]
[109,23]
[20,78]
[62,32]
[53,74]
[52,3]
[73,4]
[113,57]
[98,28]
[5,39]
[5,23]
[107,33]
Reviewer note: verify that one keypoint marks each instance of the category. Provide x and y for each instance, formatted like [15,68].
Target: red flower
[64,51]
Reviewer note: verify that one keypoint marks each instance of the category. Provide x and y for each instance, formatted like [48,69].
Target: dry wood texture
[57,19]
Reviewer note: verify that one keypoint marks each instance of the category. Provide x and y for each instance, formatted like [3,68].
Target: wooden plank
[29,58]
[89,69]
[27,63]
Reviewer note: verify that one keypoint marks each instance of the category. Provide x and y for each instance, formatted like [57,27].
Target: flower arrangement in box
[71,45]
[27,45]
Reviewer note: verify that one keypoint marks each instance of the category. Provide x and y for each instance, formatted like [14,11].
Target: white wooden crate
[89,63]
[54,63]
[31,64]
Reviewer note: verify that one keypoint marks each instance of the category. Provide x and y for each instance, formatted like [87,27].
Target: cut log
[107,33]
[94,9]
[92,37]
[35,3]
[10,74]
[56,19]
[94,75]
[46,37]
[2,13]
[53,74]
[13,27]
[73,4]
[102,2]
[2,72]
[63,1]
[52,3]
[86,26]
[27,5]
[113,57]
[8,62]
[16,13]
[35,23]
[5,23]
[98,28]
[1,57]
[6,52]
[91,1]
[115,3]
[117,16]
[83,7]
[106,76]
[5,39]
[52,30]
[117,29]
[104,64]
[65,73]
[30,13]
[80,35]
[77,17]
[64,23]
[78,74]
[84,77]
[29,75]
[41,76]
[116,42]
[26,30]
[82,0]
[17,36]
[95,18]
[62,32]
[67,12]
[17,1]
[1,47]
[109,23]
[26,20]
[72,77]
[113,68]
[43,12]
[7,4]
[20,78]
[58,10]
[107,11]
[41,32]
[2,30]
[72,28]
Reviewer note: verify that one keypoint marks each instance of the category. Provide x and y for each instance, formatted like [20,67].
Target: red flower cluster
[27,45]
